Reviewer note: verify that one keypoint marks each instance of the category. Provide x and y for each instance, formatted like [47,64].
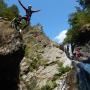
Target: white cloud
[59,38]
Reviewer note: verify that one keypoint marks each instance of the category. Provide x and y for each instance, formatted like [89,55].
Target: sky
[53,15]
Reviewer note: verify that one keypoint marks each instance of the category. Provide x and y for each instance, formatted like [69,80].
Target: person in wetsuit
[28,11]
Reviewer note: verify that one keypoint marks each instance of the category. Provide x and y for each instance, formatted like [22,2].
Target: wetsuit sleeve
[22,4]
[35,11]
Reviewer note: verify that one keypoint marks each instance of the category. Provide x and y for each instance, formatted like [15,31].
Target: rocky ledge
[11,54]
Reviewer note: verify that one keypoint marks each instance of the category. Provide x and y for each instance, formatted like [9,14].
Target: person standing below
[28,11]
[16,22]
[77,53]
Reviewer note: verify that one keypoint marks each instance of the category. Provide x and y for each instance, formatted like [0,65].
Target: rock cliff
[31,61]
[11,54]
[43,63]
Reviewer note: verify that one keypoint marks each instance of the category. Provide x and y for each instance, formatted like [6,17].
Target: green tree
[2,7]
[8,12]
[3,4]
[14,9]
[77,20]
[84,3]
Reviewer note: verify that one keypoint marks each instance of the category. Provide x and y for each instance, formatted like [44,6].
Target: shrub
[8,12]
[47,87]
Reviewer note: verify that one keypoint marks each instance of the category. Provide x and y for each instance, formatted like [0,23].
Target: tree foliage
[8,12]
[77,20]
[84,3]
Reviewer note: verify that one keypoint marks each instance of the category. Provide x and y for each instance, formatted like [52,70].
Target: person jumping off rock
[28,11]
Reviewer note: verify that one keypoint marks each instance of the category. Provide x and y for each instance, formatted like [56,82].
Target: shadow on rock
[11,54]
[10,69]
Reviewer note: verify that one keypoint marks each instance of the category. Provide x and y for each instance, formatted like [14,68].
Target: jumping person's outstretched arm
[21,4]
[35,11]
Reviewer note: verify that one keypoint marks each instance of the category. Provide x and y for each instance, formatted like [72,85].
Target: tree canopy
[77,20]
[84,3]
[8,12]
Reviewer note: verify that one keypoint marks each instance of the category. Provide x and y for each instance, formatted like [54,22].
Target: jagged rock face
[11,54]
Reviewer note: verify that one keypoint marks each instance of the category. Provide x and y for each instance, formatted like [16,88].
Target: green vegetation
[33,83]
[62,70]
[49,86]
[34,48]
[35,63]
[84,3]
[8,12]
[77,20]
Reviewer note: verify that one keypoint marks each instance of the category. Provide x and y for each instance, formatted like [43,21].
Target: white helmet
[30,6]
